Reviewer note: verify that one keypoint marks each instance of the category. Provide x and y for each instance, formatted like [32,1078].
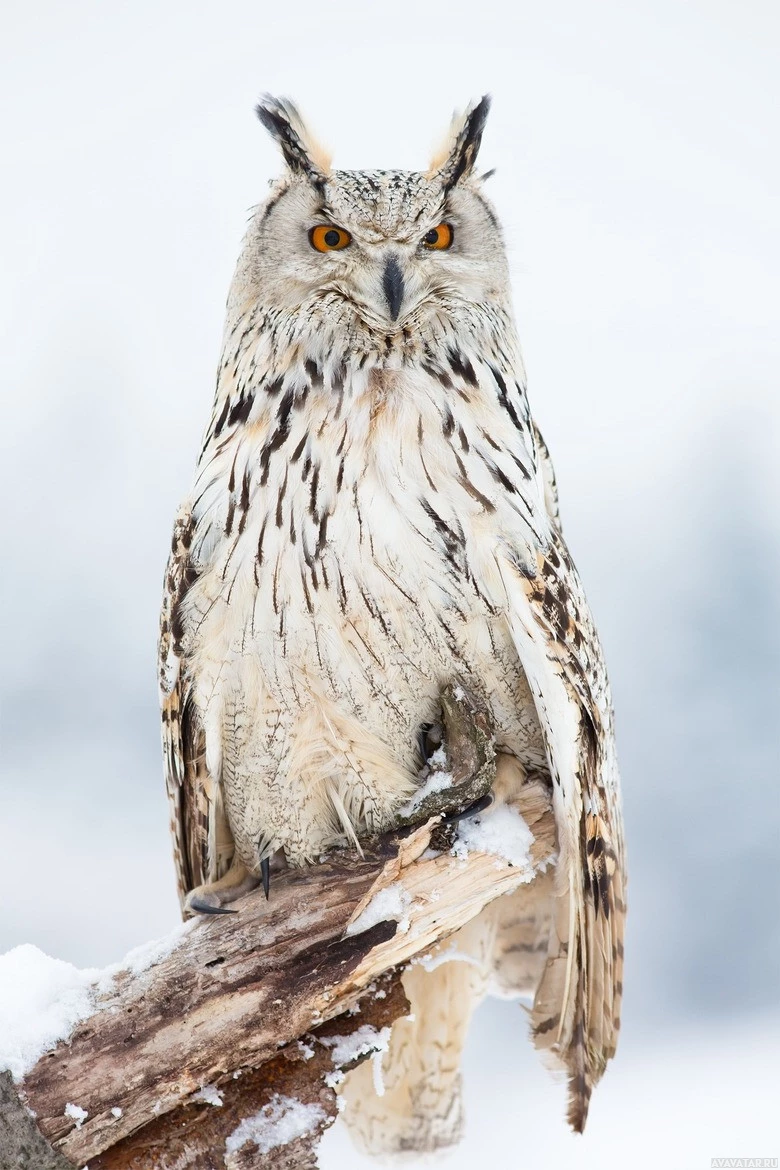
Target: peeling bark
[194,1136]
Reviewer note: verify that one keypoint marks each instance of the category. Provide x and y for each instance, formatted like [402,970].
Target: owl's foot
[213,897]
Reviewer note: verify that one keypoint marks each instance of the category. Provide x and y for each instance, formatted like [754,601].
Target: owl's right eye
[327,238]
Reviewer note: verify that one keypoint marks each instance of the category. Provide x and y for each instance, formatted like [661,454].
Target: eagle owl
[374,515]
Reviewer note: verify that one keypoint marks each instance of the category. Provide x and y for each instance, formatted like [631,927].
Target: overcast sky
[637,178]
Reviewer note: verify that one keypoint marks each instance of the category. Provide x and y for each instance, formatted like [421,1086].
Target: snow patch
[116,1112]
[76,1113]
[278,1123]
[436,782]
[147,955]
[501,831]
[42,1000]
[391,902]
[361,1042]
[208,1095]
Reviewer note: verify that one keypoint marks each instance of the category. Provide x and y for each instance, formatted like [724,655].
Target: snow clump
[278,1123]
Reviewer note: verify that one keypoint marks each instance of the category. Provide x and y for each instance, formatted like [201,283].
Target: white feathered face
[387,249]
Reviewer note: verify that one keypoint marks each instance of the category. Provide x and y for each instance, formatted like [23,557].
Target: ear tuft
[456,158]
[302,153]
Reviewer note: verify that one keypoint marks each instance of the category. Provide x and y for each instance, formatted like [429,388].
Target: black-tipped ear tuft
[285,125]
[463,144]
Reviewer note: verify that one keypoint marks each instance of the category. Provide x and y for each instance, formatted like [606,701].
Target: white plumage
[374,516]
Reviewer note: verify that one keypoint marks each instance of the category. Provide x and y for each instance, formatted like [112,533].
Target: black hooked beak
[393,286]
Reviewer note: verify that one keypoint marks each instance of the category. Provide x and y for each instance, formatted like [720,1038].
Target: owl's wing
[202,845]
[548,477]
[576,1014]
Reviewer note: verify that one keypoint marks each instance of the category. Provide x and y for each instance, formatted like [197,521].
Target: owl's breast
[356,563]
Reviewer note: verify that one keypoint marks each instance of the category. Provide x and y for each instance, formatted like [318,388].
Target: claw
[477,807]
[430,736]
[201,905]
[265,870]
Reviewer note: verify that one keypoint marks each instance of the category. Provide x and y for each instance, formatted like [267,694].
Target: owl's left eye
[327,238]
[439,238]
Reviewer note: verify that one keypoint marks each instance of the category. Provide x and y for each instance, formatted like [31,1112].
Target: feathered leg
[504,948]
[421,1108]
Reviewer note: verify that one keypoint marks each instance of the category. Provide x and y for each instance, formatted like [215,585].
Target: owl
[374,515]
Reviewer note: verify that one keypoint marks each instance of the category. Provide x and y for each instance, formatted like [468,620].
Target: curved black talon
[477,807]
[265,870]
[202,907]
[430,737]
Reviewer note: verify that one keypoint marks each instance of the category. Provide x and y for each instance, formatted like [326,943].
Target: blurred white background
[637,176]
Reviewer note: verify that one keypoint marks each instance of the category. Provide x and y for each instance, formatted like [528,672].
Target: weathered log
[224,1014]
[202,1134]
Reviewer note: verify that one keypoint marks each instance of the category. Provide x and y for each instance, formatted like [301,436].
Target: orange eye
[440,237]
[327,238]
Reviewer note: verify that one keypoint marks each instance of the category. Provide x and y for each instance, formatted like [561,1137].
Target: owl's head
[380,251]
